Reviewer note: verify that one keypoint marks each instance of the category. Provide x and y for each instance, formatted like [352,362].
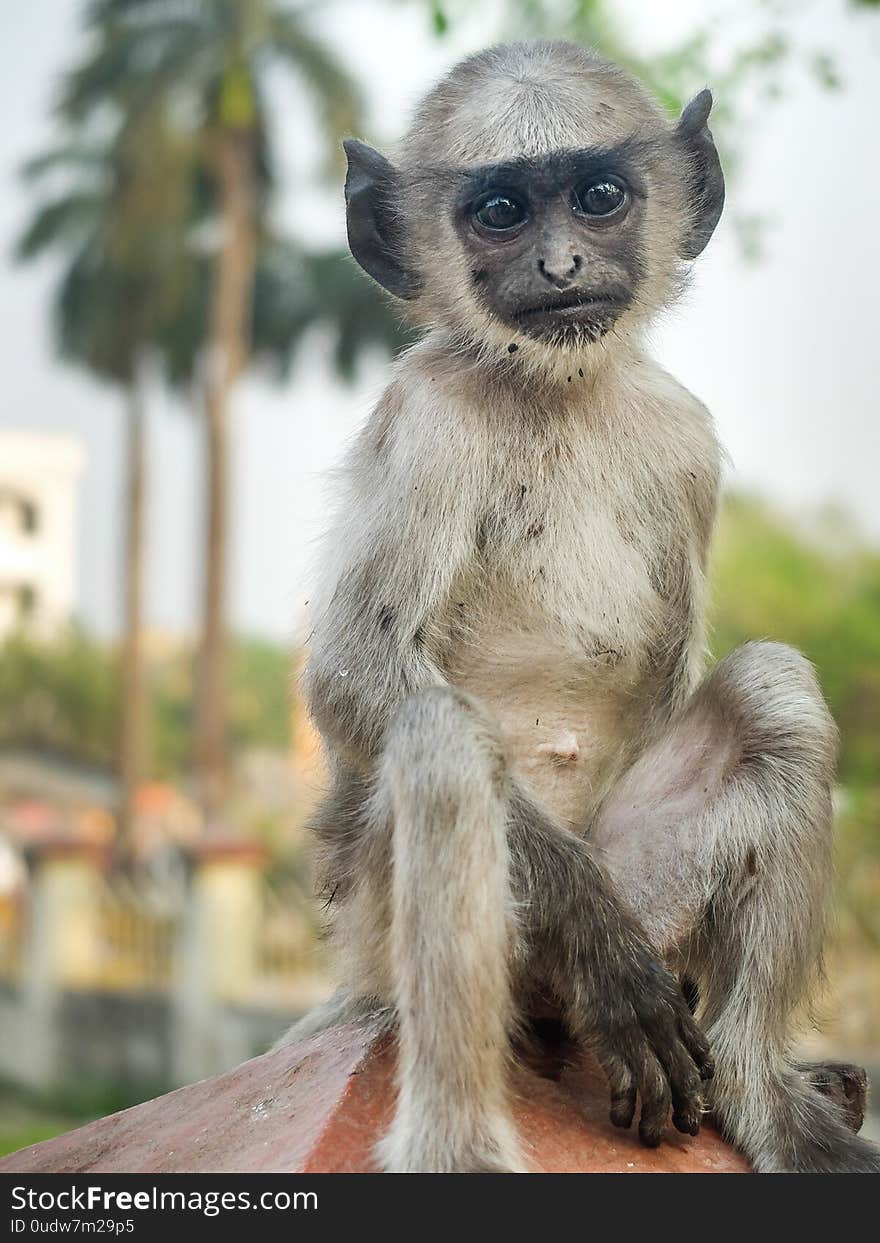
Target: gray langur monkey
[537,796]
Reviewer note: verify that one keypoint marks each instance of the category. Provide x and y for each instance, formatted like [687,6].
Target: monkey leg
[720,839]
[440,789]
[465,849]
[844,1083]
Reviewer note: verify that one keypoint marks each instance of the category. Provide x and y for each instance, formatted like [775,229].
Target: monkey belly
[567,724]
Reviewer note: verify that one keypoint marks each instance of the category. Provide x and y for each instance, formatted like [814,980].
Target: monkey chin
[568,328]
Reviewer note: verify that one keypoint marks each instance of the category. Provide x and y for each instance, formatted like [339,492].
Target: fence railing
[290,958]
[107,934]
[171,982]
[136,943]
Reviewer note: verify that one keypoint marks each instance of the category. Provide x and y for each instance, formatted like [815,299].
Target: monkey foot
[846,1085]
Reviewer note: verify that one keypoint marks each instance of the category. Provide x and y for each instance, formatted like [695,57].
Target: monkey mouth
[573,313]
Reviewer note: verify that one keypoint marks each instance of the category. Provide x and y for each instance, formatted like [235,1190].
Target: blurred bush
[62,698]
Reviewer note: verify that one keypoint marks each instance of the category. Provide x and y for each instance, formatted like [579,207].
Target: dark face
[554,243]
[557,247]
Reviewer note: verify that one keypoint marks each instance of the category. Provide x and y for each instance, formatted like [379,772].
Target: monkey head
[541,199]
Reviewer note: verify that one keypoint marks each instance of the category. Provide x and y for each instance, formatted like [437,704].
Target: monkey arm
[405,528]
[615,992]
[369,656]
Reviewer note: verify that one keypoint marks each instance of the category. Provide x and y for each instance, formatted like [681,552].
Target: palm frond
[58,222]
[93,320]
[133,67]
[136,274]
[150,12]
[296,291]
[337,96]
[71,157]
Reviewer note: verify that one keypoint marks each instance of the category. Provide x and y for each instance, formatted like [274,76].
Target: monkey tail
[441,784]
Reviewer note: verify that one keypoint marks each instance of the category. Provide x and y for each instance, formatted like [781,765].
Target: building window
[18,514]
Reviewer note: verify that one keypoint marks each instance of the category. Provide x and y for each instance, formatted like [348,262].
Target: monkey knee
[771,693]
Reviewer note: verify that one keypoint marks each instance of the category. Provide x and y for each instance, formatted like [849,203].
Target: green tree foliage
[62,698]
[207,62]
[261,702]
[296,292]
[122,234]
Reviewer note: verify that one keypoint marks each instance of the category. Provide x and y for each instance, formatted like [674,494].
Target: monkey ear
[705,179]
[375,235]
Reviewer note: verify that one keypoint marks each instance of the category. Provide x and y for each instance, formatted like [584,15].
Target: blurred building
[39,482]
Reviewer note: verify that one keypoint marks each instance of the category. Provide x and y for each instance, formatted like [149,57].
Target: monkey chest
[555,630]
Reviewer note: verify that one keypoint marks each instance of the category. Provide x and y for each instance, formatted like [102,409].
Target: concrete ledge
[318,1106]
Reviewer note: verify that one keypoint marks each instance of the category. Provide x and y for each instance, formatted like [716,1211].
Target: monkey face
[554,243]
[542,200]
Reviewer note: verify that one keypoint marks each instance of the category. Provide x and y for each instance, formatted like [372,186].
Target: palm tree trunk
[229,343]
[133,705]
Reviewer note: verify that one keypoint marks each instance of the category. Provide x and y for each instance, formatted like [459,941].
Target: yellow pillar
[218,956]
[65,892]
[61,948]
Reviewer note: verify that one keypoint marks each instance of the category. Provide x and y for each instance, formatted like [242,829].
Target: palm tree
[122,233]
[134,283]
[295,292]
[208,59]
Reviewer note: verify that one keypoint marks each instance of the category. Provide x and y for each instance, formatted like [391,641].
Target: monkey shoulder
[418,443]
[677,435]
[684,421]
[687,418]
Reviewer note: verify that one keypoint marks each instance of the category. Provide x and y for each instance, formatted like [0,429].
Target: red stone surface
[318,1107]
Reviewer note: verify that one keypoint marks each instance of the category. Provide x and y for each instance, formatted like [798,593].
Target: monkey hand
[648,1044]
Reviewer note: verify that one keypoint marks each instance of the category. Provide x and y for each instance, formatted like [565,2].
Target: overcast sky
[785,353]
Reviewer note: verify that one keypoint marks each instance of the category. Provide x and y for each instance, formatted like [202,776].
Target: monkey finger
[682,1072]
[623,1089]
[687,1120]
[656,1101]
[687,1105]
[697,1045]
[685,1085]
[682,1075]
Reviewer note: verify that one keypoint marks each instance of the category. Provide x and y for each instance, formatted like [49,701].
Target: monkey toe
[656,1103]
[697,1046]
[688,1122]
[844,1084]
[623,1110]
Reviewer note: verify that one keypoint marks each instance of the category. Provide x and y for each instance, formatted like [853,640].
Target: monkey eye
[601,197]
[499,212]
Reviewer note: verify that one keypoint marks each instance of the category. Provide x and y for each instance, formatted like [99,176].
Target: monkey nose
[561,273]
